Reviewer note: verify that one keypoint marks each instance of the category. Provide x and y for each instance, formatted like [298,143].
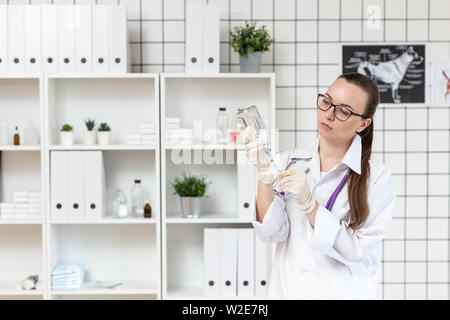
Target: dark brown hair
[357,184]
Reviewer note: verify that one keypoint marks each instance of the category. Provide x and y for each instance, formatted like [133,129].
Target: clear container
[222,125]
[120,208]
[137,199]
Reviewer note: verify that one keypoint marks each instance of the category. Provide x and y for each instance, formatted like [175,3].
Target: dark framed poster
[397,69]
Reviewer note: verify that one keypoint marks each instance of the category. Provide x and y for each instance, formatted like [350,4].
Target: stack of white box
[147,136]
[177,136]
[26,205]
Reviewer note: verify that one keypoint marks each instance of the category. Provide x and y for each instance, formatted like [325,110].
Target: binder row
[65,39]
[235,263]
[77,183]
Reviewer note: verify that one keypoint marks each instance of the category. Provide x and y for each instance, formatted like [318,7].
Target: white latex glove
[256,155]
[294,181]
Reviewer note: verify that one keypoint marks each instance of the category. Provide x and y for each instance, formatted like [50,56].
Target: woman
[330,222]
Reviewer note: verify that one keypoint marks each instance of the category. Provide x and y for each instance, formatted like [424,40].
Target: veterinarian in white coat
[329,225]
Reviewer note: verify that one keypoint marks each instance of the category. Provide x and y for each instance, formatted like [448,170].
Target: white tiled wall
[412,141]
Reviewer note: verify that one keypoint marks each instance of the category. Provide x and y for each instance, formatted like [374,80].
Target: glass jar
[137,199]
[120,209]
[222,125]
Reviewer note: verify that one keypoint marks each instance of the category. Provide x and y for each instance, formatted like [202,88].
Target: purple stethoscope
[334,195]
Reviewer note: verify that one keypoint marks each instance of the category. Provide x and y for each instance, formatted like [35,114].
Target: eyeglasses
[341,112]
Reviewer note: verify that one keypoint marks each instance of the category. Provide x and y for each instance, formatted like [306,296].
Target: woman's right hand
[256,155]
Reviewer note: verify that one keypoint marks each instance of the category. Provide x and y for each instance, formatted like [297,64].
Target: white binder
[3,39]
[211,261]
[94,186]
[75,185]
[245,185]
[66,38]
[100,38]
[33,60]
[83,39]
[228,263]
[194,36]
[59,175]
[211,37]
[118,39]
[246,263]
[49,22]
[262,266]
[16,39]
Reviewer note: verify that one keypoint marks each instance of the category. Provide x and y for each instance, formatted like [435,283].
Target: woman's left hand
[294,181]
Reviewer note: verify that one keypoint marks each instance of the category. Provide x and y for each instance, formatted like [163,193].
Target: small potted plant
[104,134]
[90,135]
[191,190]
[66,134]
[250,42]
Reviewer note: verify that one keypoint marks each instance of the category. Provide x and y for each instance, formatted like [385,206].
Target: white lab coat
[327,261]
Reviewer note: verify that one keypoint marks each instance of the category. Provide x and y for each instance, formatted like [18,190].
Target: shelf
[220,75]
[20,148]
[20,222]
[115,147]
[206,217]
[109,221]
[103,76]
[7,288]
[128,287]
[196,293]
[206,147]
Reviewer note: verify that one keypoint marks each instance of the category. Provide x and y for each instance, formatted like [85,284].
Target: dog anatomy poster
[441,83]
[397,69]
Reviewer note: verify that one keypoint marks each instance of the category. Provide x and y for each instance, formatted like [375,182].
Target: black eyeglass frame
[320,95]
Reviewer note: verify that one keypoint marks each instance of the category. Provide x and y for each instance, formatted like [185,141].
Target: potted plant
[250,42]
[90,135]
[66,133]
[104,134]
[191,190]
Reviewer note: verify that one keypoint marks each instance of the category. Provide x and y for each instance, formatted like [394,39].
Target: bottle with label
[120,209]
[137,200]
[222,125]
[147,210]
[16,137]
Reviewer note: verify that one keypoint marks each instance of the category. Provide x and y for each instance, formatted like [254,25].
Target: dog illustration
[448,84]
[391,72]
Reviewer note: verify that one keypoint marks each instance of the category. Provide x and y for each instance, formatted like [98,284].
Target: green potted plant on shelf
[90,135]
[250,42]
[104,134]
[191,190]
[66,134]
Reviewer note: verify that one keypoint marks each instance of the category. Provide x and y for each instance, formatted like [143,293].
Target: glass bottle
[120,205]
[16,137]
[222,125]
[137,200]
[147,210]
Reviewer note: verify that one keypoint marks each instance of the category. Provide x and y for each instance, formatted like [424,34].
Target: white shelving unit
[198,97]
[154,258]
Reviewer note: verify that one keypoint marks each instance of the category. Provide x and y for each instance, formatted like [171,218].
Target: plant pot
[90,137]
[251,62]
[104,137]
[66,138]
[191,206]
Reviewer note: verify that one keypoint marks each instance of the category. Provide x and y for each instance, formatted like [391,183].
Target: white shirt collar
[352,157]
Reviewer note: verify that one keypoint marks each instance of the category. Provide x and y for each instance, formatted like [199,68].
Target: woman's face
[342,92]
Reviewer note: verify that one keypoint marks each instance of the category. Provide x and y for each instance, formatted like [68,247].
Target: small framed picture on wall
[398,69]
[440,84]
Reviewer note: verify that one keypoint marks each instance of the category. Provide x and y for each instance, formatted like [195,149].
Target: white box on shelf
[16,39]
[211,261]
[194,36]
[262,266]
[118,39]
[228,262]
[94,185]
[246,263]
[75,185]
[211,37]
[49,20]
[3,39]
[100,38]
[33,56]
[59,175]
[83,39]
[245,185]
[66,38]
